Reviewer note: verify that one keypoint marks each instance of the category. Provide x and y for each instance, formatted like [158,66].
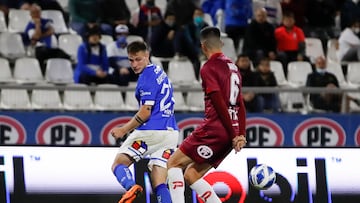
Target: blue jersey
[154,88]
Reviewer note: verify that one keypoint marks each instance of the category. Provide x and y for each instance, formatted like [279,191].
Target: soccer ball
[262,177]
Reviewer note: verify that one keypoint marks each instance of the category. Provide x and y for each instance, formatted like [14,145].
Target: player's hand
[118,132]
[239,142]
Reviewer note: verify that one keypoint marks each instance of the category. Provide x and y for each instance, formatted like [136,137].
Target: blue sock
[162,194]
[124,176]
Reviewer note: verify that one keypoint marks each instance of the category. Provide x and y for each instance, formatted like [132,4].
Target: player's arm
[239,141]
[222,111]
[139,118]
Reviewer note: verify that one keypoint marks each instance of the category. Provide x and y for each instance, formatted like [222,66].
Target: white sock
[205,191]
[176,185]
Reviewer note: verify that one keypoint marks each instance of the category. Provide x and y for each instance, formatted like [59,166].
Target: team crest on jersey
[167,153]
[204,151]
[140,146]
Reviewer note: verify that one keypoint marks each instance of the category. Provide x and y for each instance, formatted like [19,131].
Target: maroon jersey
[220,74]
[211,142]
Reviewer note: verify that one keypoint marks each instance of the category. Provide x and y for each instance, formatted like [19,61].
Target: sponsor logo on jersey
[316,132]
[167,153]
[106,137]
[140,146]
[11,131]
[263,132]
[63,130]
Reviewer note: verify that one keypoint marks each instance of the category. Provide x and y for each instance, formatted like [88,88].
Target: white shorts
[157,145]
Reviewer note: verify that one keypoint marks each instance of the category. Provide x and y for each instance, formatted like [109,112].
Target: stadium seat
[46,99]
[208,19]
[70,44]
[59,71]
[27,70]
[5,71]
[3,26]
[332,47]
[131,103]
[11,45]
[353,107]
[106,39]
[57,17]
[293,102]
[353,74]
[15,99]
[298,72]
[64,4]
[180,104]
[335,68]
[18,19]
[181,72]
[278,70]
[313,48]
[132,38]
[109,100]
[229,48]
[132,5]
[195,101]
[75,100]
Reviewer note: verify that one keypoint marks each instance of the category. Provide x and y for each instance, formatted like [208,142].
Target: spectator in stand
[149,17]
[118,58]
[298,8]
[321,78]
[259,40]
[215,8]
[290,41]
[84,14]
[264,77]
[273,10]
[183,10]
[39,33]
[349,43]
[320,15]
[93,65]
[349,11]
[114,12]
[162,40]
[248,80]
[187,39]
[237,19]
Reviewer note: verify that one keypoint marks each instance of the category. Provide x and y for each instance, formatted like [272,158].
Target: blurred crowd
[261,31]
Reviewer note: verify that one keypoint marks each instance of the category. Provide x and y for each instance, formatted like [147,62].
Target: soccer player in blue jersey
[155,130]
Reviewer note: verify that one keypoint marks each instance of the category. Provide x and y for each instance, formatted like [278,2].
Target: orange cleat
[131,194]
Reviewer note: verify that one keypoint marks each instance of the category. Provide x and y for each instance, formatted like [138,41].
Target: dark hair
[93,31]
[137,46]
[288,14]
[243,55]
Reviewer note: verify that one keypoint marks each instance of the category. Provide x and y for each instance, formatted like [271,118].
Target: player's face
[139,61]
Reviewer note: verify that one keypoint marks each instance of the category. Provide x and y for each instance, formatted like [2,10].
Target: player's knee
[191,175]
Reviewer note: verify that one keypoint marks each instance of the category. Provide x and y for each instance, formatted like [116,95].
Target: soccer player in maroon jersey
[223,128]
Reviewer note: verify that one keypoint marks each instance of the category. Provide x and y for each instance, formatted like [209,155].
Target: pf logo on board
[186,127]
[319,132]
[263,132]
[106,137]
[11,131]
[63,130]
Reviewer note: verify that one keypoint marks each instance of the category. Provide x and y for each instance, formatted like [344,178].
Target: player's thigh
[179,160]
[195,171]
[162,147]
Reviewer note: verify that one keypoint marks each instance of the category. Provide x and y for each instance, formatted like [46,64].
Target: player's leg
[127,155]
[193,176]
[121,170]
[158,178]
[176,164]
